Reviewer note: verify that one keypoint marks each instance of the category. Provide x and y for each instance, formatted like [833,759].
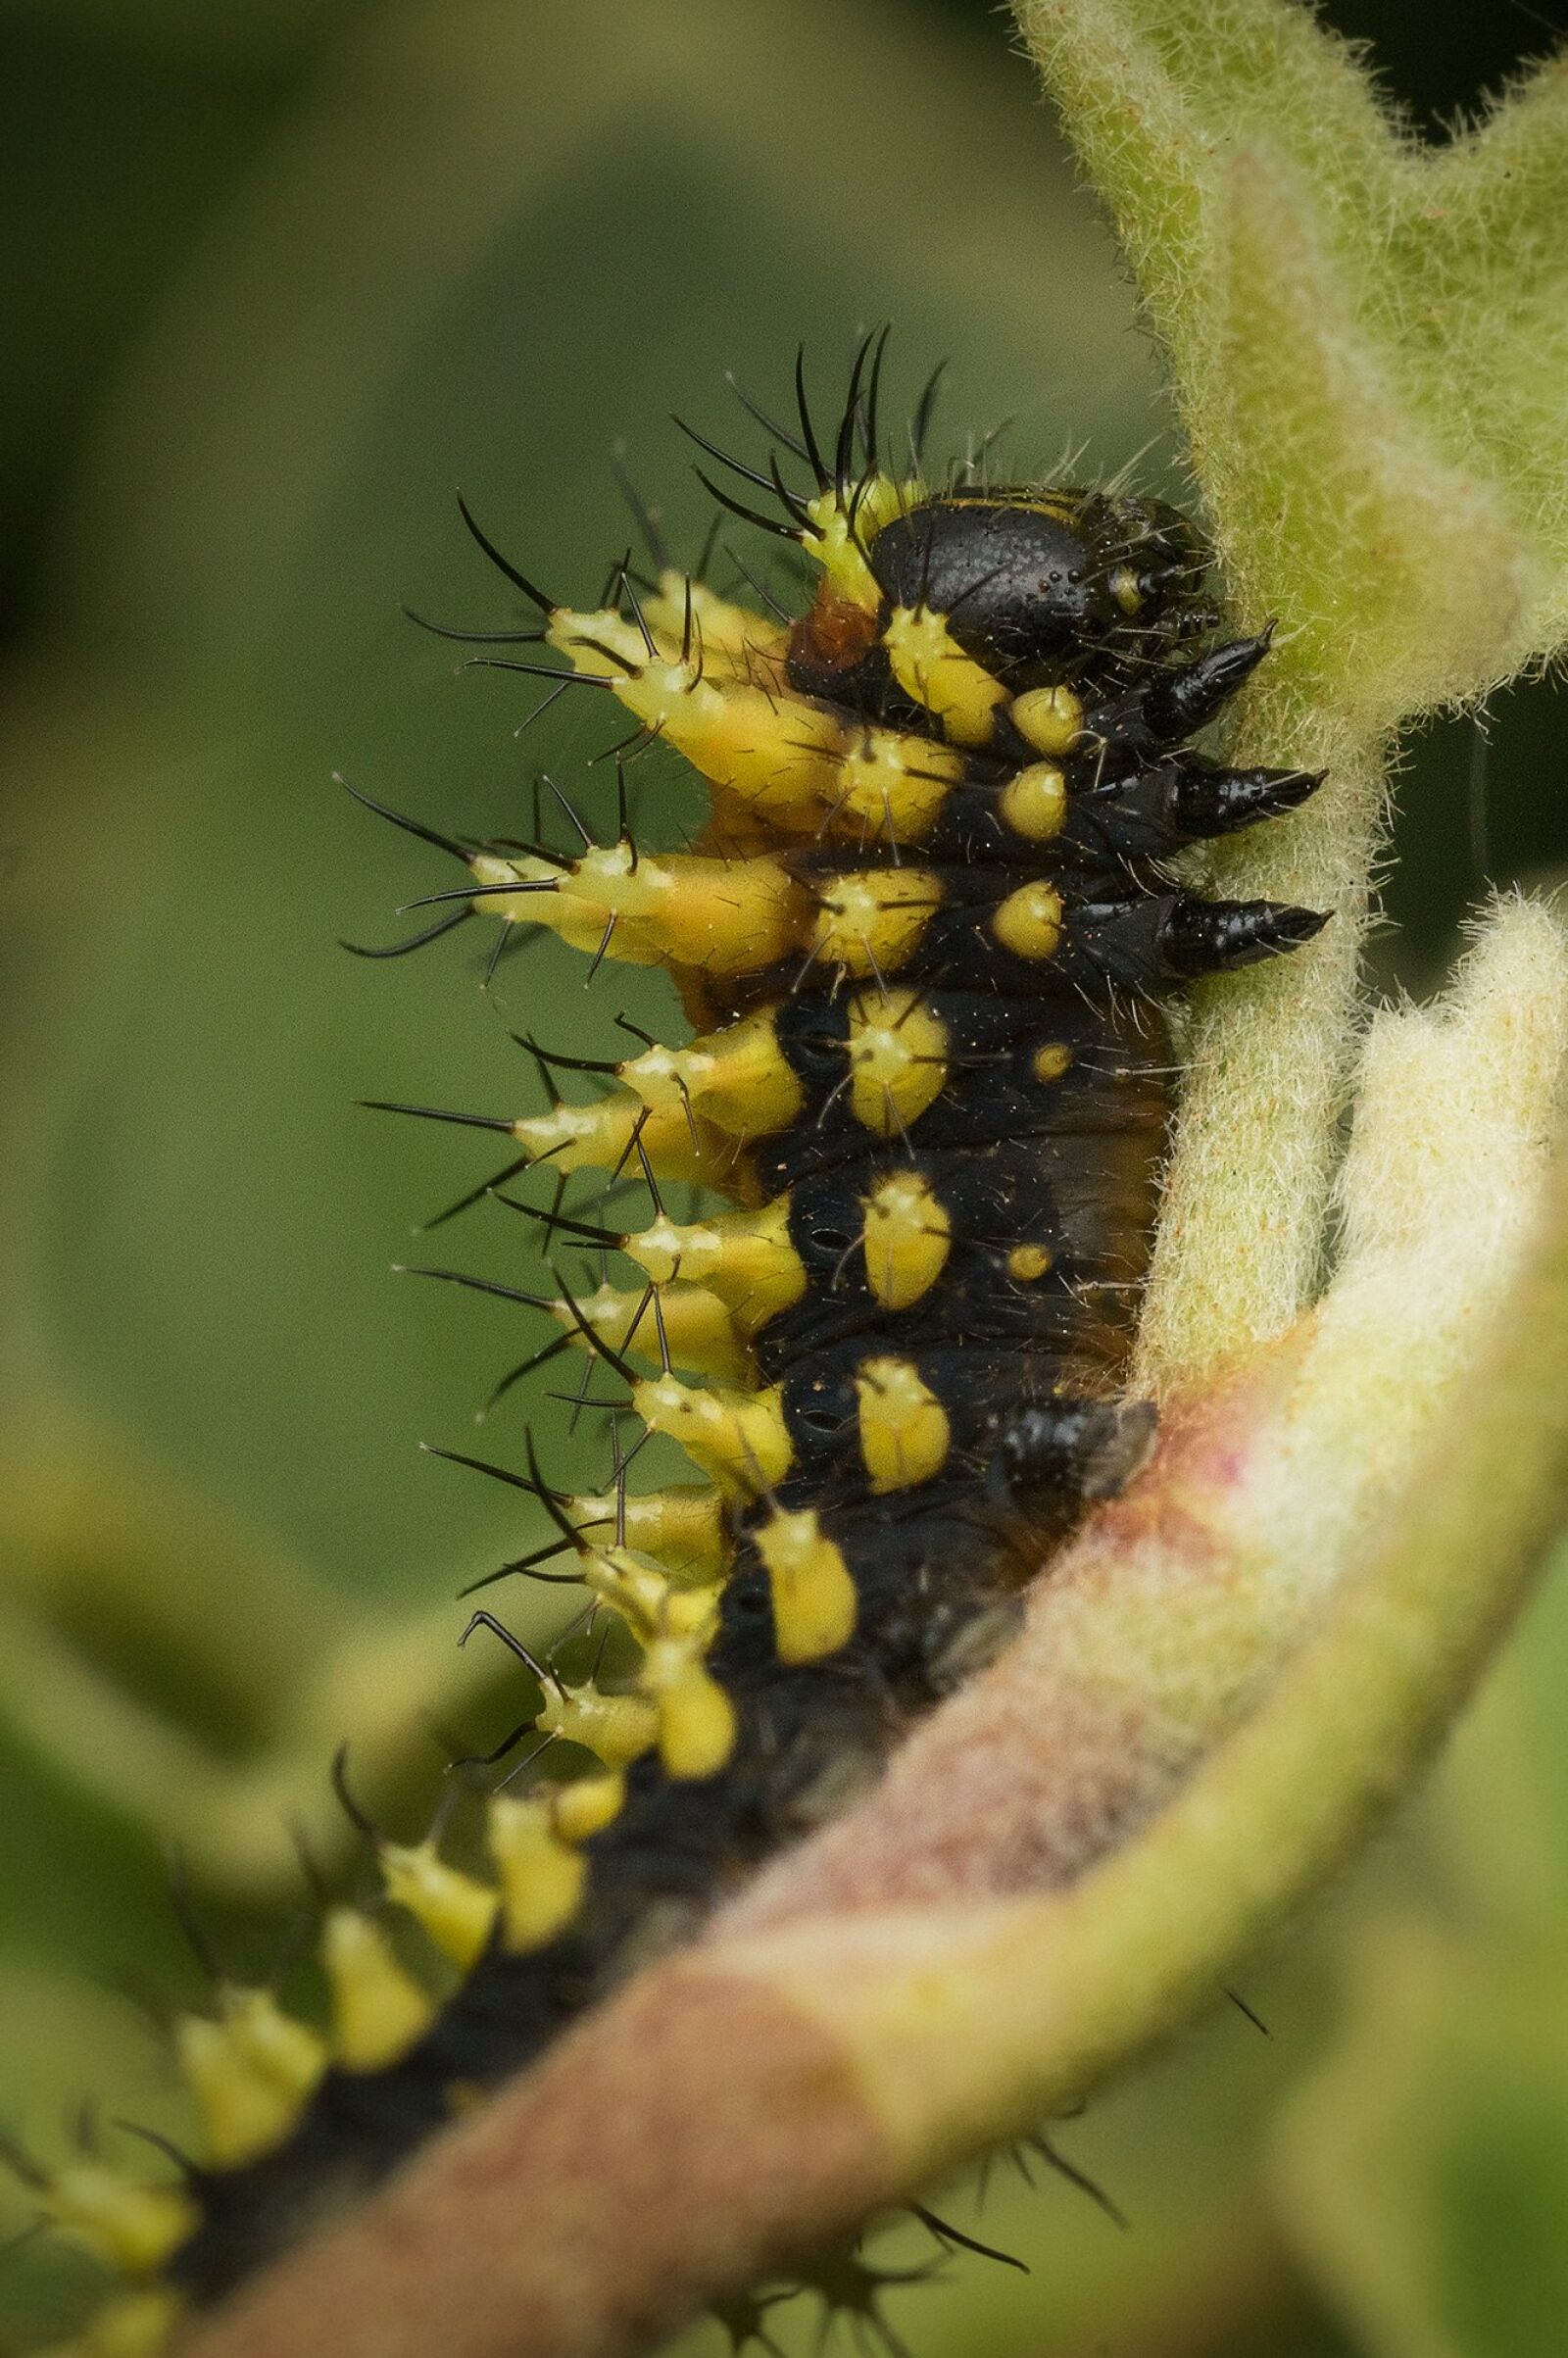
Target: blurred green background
[282,275]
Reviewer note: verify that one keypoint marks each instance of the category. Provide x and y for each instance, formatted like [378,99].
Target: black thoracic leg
[1174,705]
[1214,937]
[1202,800]
[1177,703]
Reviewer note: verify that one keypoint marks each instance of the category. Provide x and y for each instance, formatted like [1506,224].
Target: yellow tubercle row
[739,916]
[742,1439]
[778,752]
[690,1109]
[252,2068]
[750,1272]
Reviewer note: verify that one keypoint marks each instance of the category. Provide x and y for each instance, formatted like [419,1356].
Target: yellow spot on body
[587,1805]
[870,921]
[1026,1262]
[542,1876]
[1029,921]
[697,1726]
[618,1729]
[1050,719]
[1051,1061]
[379,2009]
[930,665]
[738,1078]
[815,1601]
[458,1912]
[898,1049]
[1034,804]
[891,788]
[1125,590]
[908,1237]
[133,2228]
[739,1438]
[905,1434]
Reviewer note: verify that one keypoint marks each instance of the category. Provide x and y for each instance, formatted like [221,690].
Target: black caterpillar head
[1045,585]
[1059,587]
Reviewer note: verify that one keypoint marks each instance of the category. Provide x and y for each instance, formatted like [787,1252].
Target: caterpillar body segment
[927,936]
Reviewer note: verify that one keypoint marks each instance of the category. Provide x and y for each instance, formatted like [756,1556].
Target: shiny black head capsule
[1043,586]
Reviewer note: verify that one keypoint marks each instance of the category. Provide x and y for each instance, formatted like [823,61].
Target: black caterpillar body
[924,941]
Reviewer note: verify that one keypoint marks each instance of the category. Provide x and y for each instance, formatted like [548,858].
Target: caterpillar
[925,942]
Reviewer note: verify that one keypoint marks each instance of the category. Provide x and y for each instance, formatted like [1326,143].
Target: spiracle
[924,943]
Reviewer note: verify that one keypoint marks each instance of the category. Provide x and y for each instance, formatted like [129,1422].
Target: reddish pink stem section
[689,2136]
